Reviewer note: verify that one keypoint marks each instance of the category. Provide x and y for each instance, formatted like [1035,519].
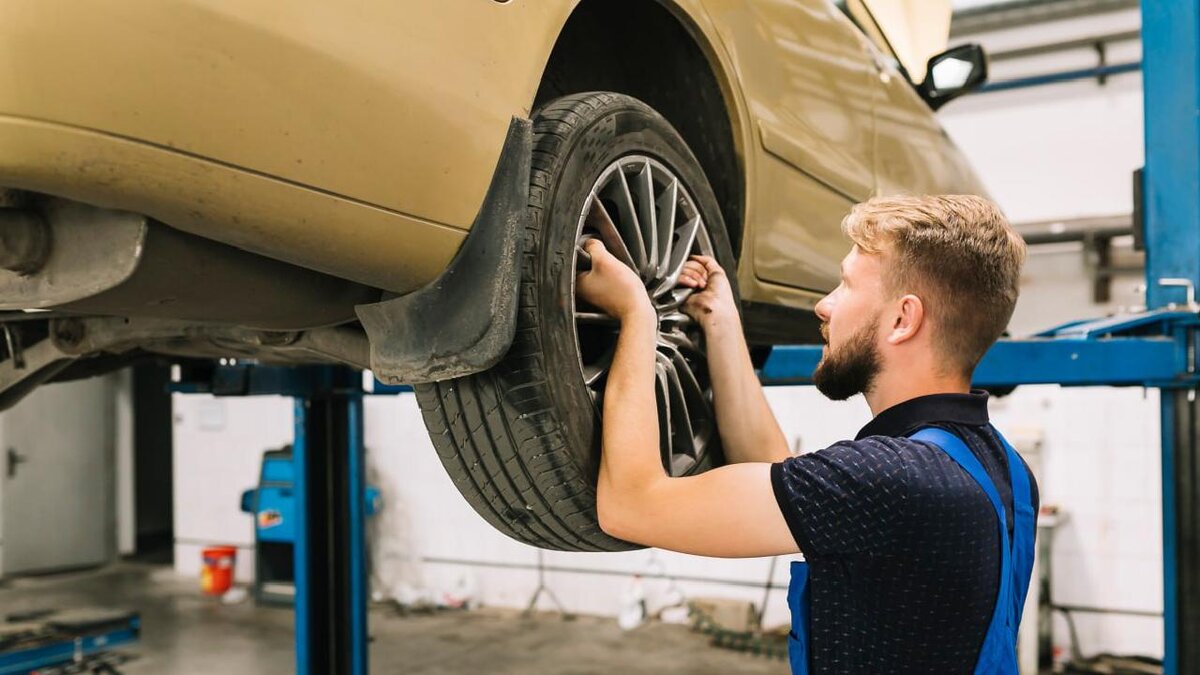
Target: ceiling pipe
[1001,15]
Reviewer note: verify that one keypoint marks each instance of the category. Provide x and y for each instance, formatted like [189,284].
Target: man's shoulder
[872,465]
[847,498]
[874,459]
[883,449]
[870,459]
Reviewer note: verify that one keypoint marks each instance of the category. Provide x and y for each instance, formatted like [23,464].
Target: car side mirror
[953,73]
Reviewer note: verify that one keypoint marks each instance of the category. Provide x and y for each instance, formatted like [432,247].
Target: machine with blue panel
[273,505]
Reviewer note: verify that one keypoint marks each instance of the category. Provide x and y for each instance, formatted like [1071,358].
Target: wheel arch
[686,82]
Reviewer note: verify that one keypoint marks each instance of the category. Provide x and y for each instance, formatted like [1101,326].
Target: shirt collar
[904,418]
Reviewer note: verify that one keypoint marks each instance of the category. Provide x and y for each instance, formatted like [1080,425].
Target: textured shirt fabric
[902,544]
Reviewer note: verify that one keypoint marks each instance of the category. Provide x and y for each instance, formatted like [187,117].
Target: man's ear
[908,319]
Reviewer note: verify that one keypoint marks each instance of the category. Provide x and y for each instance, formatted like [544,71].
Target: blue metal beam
[1150,361]
[1062,76]
[355,491]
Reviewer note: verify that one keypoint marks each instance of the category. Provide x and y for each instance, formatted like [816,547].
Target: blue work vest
[998,655]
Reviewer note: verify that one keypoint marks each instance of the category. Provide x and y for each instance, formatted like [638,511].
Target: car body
[300,162]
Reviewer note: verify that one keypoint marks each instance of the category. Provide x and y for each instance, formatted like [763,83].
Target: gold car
[402,185]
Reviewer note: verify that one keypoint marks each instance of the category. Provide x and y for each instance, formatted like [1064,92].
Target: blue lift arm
[1144,350]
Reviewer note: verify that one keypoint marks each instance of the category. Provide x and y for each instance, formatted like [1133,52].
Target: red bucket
[216,573]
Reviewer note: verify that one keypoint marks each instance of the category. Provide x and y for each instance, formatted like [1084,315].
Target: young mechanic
[918,534]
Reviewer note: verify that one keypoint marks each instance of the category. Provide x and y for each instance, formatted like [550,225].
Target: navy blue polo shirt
[902,545]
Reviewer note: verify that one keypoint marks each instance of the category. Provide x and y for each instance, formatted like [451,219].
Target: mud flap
[462,322]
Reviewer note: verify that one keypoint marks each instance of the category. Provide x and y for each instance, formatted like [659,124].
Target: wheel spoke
[672,301]
[596,318]
[595,372]
[693,393]
[628,224]
[647,218]
[703,240]
[685,436]
[599,220]
[680,254]
[666,225]
[663,398]
[677,318]
[680,341]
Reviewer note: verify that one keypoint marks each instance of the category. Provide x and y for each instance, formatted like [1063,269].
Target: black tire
[521,441]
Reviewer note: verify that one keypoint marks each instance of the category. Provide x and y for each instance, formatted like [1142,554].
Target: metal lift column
[330,566]
[1171,208]
[330,562]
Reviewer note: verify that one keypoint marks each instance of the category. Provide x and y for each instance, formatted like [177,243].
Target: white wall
[218,448]
[1056,151]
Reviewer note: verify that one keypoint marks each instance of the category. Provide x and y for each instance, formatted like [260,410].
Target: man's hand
[713,302]
[635,498]
[749,430]
[612,287]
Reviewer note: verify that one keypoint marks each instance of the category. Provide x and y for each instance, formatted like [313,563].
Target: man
[908,568]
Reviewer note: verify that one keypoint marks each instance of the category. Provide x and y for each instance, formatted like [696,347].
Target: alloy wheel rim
[646,217]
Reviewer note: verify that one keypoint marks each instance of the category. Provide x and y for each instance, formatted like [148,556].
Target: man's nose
[822,309]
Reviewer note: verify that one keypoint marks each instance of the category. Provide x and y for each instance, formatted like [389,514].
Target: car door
[809,85]
[913,153]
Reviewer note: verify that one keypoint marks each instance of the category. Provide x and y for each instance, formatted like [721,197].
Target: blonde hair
[958,253]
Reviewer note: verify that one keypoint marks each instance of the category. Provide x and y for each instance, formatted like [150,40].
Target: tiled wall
[218,448]
[1100,464]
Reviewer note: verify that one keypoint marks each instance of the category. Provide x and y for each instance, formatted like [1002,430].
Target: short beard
[852,368]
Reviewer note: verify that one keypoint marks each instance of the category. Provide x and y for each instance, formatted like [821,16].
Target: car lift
[330,549]
[72,641]
[1156,348]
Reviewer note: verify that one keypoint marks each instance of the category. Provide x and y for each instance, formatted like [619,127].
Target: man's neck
[895,387]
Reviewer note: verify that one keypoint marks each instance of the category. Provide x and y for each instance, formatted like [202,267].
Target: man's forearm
[629,459]
[749,430]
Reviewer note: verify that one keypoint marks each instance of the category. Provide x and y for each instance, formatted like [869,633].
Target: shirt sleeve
[844,500]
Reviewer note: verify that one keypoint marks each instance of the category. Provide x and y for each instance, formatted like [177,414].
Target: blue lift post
[1171,207]
[1156,348]
[330,567]
[330,549]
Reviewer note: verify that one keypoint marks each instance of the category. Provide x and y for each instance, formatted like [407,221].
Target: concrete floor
[184,632]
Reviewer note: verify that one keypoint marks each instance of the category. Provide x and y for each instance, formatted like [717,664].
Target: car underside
[416,210]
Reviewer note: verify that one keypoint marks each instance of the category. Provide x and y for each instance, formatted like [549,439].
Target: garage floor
[184,632]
